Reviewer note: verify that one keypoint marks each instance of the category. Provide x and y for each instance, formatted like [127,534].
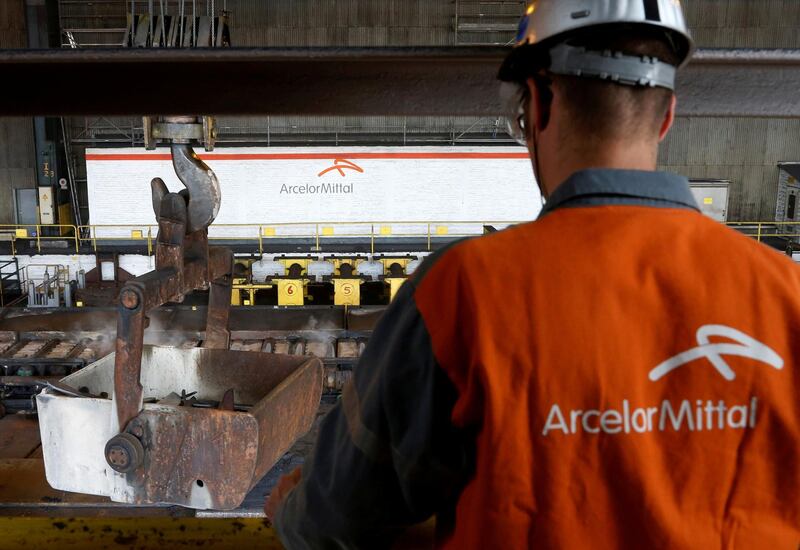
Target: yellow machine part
[242,286]
[236,294]
[303,262]
[337,264]
[347,292]
[290,292]
[394,285]
[65,218]
[389,261]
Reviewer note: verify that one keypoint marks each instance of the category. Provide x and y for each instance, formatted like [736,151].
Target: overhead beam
[741,83]
[361,82]
[403,81]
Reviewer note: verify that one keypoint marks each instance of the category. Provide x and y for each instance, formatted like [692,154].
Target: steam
[319,342]
[160,333]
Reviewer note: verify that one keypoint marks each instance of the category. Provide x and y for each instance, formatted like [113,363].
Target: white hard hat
[546,21]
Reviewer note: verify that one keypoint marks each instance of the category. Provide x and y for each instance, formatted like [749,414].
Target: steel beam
[741,83]
[411,81]
[361,82]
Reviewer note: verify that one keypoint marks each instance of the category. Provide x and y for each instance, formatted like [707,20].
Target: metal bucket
[199,457]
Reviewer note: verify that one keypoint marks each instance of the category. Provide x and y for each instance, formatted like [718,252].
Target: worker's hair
[602,110]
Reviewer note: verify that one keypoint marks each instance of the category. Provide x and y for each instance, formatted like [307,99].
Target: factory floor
[33,515]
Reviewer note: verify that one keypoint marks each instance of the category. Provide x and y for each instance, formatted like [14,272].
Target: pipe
[68,294]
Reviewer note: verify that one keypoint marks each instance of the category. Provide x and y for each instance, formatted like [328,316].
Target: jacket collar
[598,187]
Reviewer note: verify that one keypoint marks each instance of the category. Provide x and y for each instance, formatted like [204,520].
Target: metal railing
[764,230]
[33,232]
[42,272]
[91,237]
[41,284]
[319,232]
[316,232]
[49,291]
[113,234]
[10,281]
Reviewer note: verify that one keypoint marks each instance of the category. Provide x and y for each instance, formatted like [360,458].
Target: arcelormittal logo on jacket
[688,414]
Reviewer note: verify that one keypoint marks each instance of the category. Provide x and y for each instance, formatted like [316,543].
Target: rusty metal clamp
[184,262]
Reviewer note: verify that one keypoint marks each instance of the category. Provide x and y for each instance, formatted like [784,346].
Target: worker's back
[632,372]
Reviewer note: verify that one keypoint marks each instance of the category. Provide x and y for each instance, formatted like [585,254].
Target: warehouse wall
[17,160]
[743,150]
[714,23]
[744,23]
[17,152]
[12,24]
[341,22]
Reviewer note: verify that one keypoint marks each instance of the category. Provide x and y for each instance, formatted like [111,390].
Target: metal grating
[487,22]
[113,23]
[99,23]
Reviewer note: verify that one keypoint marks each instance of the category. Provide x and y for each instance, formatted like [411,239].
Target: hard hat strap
[629,70]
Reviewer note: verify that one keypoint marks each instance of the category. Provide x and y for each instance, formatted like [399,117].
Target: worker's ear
[541,100]
[669,118]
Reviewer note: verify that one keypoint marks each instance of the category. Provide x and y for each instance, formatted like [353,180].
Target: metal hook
[158,190]
[201,183]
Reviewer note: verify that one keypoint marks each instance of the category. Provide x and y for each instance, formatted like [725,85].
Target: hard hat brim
[523,60]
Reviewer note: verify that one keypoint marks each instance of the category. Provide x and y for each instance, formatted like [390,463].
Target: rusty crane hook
[202,187]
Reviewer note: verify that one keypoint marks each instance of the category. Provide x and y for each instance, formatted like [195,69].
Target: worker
[620,373]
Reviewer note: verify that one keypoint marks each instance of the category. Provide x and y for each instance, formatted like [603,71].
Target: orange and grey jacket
[621,373]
